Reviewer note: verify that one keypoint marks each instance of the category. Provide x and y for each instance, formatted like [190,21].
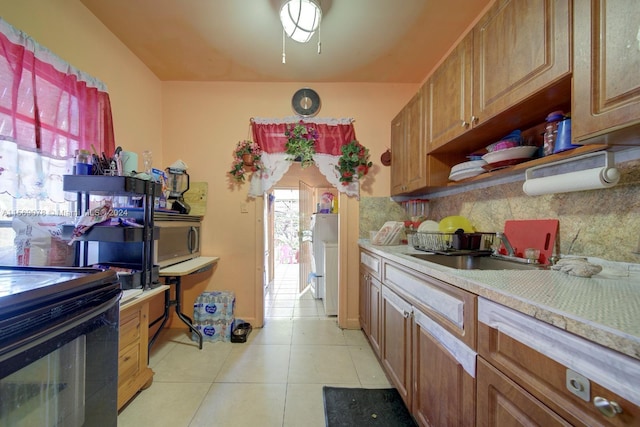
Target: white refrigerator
[324,228]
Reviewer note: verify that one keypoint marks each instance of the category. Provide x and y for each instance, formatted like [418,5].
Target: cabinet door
[396,341]
[364,301]
[444,392]
[519,48]
[606,84]
[450,96]
[375,296]
[502,403]
[133,371]
[416,147]
[398,144]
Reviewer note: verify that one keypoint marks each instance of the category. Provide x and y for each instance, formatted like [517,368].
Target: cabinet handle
[609,408]
[464,124]
[474,120]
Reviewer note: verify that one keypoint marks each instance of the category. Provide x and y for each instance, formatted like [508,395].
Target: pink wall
[202,122]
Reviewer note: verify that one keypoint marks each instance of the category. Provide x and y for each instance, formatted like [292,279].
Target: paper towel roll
[129,162]
[589,179]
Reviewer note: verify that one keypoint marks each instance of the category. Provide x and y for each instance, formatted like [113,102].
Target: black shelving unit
[87,185]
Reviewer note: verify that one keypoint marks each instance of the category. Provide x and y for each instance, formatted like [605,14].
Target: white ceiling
[385,41]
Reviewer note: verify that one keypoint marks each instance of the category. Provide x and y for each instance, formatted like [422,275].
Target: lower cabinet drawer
[130,321]
[129,362]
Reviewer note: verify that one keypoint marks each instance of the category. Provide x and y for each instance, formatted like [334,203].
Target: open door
[306,210]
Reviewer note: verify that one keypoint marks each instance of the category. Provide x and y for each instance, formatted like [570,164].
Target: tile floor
[274,379]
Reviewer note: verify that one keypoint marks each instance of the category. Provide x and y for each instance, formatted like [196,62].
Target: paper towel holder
[609,175]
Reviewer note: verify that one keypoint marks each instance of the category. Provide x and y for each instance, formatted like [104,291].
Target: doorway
[287,294]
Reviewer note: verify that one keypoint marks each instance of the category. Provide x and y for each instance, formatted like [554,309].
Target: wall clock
[306,102]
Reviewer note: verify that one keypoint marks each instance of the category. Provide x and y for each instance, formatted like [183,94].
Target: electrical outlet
[244,208]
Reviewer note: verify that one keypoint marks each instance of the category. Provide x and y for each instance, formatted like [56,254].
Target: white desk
[172,276]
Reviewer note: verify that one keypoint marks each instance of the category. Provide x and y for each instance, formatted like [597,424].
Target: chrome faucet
[507,245]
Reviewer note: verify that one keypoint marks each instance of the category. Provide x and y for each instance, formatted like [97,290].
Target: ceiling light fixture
[300,20]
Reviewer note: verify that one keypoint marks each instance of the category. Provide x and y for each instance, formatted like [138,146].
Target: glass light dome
[300,19]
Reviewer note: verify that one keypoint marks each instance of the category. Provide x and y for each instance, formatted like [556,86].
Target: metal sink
[469,262]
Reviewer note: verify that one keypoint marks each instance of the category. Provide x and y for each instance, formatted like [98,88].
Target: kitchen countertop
[604,309]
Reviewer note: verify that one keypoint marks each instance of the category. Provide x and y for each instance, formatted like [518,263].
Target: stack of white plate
[467,170]
[508,156]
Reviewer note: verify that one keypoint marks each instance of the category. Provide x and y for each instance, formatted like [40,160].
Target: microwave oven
[176,240]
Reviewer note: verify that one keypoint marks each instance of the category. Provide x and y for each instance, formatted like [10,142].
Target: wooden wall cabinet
[408,148]
[519,49]
[606,84]
[508,73]
[449,96]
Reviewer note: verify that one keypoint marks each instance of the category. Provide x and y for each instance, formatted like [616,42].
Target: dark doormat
[356,407]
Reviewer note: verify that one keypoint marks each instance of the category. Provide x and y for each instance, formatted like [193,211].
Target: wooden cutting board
[196,197]
[532,233]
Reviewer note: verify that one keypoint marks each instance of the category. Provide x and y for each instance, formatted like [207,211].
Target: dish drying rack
[454,243]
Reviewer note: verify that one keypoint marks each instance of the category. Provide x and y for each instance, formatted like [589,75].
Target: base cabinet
[395,353]
[426,345]
[444,391]
[521,386]
[134,373]
[501,402]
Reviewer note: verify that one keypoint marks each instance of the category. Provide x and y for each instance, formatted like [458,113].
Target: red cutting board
[532,233]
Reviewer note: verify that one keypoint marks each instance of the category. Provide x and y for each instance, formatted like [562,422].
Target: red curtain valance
[271,138]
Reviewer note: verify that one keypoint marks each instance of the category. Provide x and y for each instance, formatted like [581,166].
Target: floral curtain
[270,135]
[48,110]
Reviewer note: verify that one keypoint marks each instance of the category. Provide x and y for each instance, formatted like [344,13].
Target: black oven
[58,346]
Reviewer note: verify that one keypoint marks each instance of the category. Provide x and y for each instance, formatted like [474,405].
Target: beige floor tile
[165,342]
[355,337]
[305,312]
[282,303]
[186,363]
[306,303]
[369,371]
[279,312]
[314,331]
[274,331]
[242,405]
[265,363]
[321,364]
[164,405]
[304,406]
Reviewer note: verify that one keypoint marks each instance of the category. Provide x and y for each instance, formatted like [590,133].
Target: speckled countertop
[604,309]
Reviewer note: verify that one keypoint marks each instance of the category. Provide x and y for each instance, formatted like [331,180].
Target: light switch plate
[579,385]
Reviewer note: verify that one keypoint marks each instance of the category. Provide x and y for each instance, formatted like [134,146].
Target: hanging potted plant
[354,162]
[247,155]
[301,141]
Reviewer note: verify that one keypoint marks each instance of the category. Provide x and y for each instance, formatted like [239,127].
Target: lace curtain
[48,110]
[332,134]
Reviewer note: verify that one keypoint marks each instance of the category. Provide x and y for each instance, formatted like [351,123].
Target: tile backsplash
[597,223]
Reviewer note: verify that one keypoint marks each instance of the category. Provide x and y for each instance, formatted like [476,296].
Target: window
[48,111]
